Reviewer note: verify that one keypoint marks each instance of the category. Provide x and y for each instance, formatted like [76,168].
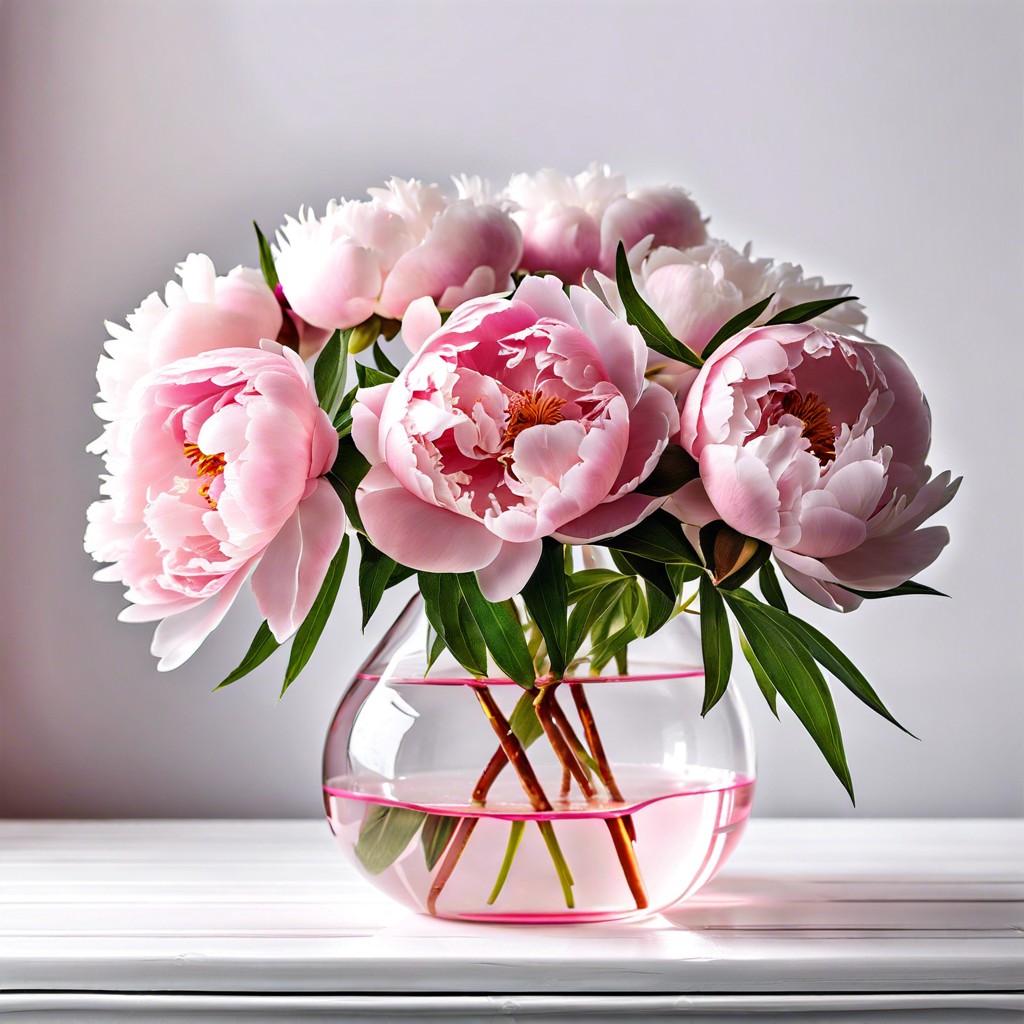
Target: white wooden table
[254,921]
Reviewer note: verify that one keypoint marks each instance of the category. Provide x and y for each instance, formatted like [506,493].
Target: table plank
[805,907]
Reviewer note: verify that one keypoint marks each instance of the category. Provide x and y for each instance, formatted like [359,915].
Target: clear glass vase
[422,796]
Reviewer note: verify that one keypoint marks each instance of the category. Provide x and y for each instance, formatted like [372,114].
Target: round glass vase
[612,799]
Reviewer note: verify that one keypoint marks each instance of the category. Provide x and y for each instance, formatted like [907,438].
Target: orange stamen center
[814,414]
[206,465]
[530,409]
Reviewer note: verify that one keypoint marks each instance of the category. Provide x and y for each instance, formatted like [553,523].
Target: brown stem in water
[566,783]
[616,826]
[490,773]
[451,859]
[597,748]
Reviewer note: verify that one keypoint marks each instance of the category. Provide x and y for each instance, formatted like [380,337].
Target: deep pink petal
[609,519]
[740,487]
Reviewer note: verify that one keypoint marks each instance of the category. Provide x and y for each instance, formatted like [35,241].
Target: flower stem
[616,826]
[451,859]
[595,744]
[515,836]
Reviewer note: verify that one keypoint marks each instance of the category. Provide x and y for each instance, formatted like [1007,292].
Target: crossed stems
[573,757]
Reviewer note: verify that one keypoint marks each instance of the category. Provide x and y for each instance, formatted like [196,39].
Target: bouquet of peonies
[583,368]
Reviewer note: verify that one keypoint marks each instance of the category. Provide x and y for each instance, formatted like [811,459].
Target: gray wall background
[879,143]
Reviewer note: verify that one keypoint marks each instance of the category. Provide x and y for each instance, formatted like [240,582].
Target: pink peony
[204,312]
[696,290]
[519,419]
[574,224]
[217,471]
[816,444]
[375,257]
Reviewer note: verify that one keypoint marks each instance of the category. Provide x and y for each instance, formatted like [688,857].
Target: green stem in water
[515,837]
[547,830]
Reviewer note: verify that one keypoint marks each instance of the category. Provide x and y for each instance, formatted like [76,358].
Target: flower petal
[509,572]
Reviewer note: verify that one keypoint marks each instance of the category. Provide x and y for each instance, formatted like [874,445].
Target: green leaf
[805,311]
[640,315]
[435,648]
[375,571]
[658,537]
[266,259]
[515,836]
[502,632]
[764,683]
[450,616]
[738,323]
[649,570]
[675,468]
[680,575]
[369,377]
[346,475]
[715,644]
[593,608]
[383,363]
[547,600]
[329,374]
[771,588]
[385,834]
[794,673]
[437,831]
[590,579]
[825,652]
[659,609]
[262,647]
[524,722]
[903,590]
[308,634]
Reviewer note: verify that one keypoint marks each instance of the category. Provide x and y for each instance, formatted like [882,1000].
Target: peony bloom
[816,444]
[377,256]
[696,290]
[204,312]
[217,471]
[571,225]
[518,419]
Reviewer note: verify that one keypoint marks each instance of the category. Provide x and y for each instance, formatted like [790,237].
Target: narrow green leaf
[831,658]
[907,589]
[680,575]
[266,259]
[346,475]
[383,363]
[771,588]
[592,608]
[659,609]
[764,683]
[649,570]
[611,647]
[385,834]
[452,620]
[437,831]
[590,579]
[640,315]
[329,374]
[675,468]
[805,311]
[308,634]
[515,836]
[435,648]
[715,644]
[502,633]
[658,537]
[369,377]
[547,600]
[262,647]
[375,570]
[794,673]
[547,830]
[738,323]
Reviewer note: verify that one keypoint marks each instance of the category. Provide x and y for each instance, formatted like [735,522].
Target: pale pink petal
[419,534]
[609,519]
[691,504]
[422,318]
[295,563]
[366,413]
[740,487]
[826,594]
[881,563]
[509,572]
[828,531]
[652,421]
[179,636]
